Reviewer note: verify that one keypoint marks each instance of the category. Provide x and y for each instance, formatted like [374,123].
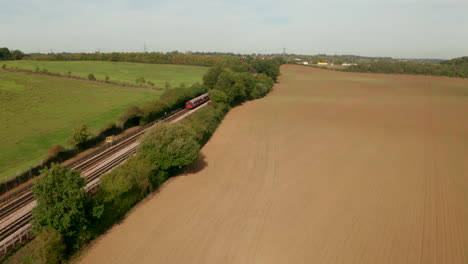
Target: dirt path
[331,167]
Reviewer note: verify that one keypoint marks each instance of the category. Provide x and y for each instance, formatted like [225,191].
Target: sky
[394,28]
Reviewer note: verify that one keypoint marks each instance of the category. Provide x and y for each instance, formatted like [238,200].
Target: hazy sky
[397,28]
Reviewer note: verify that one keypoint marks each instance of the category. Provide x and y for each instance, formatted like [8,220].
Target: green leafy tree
[5,54]
[17,55]
[91,77]
[79,136]
[218,96]
[171,147]
[211,77]
[61,203]
[269,67]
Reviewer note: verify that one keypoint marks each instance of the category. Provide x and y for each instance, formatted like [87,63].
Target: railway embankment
[165,151]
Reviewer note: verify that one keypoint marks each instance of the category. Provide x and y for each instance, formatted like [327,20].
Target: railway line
[16,208]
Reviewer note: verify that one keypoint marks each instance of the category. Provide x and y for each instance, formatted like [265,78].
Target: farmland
[38,111]
[121,72]
[331,167]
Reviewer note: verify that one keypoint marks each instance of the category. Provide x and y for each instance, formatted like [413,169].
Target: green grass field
[121,72]
[38,111]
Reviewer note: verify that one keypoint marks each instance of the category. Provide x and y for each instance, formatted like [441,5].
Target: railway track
[91,168]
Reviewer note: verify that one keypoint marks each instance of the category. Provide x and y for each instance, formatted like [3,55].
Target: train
[197,101]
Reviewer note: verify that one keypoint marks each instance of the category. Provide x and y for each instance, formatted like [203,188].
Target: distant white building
[305,63]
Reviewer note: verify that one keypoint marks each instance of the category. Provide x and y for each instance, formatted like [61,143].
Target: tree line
[451,68]
[152,57]
[65,218]
[6,54]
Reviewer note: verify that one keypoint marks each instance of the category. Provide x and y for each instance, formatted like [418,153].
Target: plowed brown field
[331,167]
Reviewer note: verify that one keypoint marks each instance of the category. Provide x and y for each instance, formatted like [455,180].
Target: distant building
[305,63]
[322,63]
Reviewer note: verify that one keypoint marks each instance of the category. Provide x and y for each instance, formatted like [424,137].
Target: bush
[91,77]
[54,151]
[131,117]
[140,81]
[46,248]
[109,127]
[122,188]
[205,121]
[107,79]
[79,136]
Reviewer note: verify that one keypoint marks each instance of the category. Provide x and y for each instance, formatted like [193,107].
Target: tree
[91,77]
[269,67]
[61,203]
[218,96]
[5,54]
[17,55]
[211,77]
[170,147]
[79,136]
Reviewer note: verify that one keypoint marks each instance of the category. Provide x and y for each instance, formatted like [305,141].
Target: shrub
[205,121]
[140,81]
[122,188]
[54,151]
[131,117]
[79,136]
[4,66]
[46,248]
[108,127]
[91,77]
[107,79]
[69,73]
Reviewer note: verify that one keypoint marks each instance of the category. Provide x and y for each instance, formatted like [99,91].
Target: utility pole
[144,47]
[284,50]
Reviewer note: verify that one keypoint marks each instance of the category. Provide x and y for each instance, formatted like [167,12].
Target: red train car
[197,101]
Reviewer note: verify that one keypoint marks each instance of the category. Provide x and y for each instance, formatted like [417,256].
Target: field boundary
[68,154]
[74,77]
